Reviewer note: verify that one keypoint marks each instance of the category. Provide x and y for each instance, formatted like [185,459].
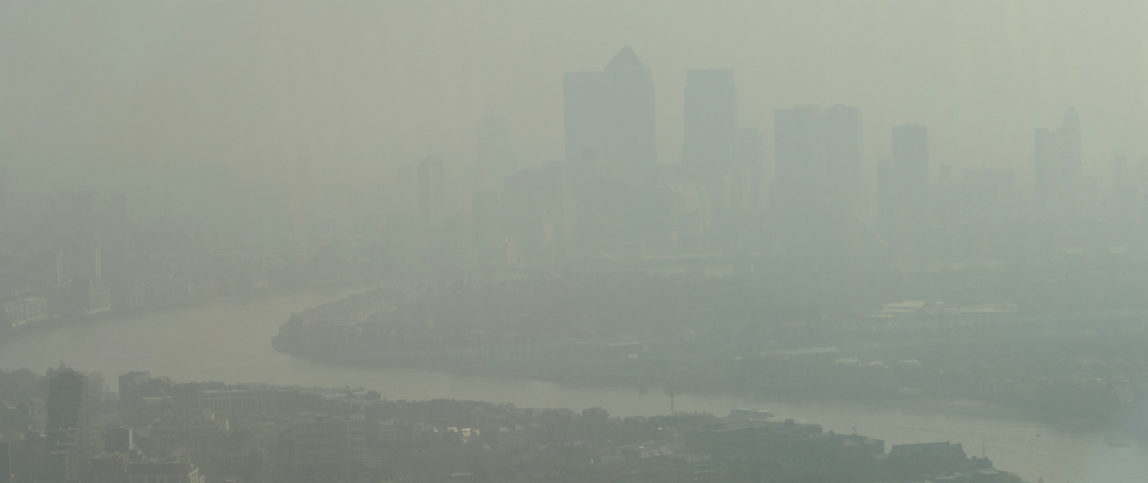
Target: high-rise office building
[711,121]
[910,152]
[584,102]
[537,212]
[1057,164]
[609,114]
[814,197]
[750,169]
[843,153]
[631,116]
[711,144]
[903,191]
[798,153]
[66,427]
[611,149]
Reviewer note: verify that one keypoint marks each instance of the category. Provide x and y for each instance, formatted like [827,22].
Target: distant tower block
[66,426]
[610,113]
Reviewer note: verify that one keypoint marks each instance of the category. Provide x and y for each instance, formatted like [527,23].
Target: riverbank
[230,343]
[1041,367]
[57,322]
[550,371]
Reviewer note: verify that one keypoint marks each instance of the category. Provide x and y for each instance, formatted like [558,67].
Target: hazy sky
[359,87]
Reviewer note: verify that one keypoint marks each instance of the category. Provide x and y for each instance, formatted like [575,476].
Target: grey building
[66,427]
[903,181]
[1057,165]
[711,121]
[609,114]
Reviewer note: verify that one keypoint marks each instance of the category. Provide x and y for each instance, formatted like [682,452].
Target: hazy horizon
[881,235]
[100,90]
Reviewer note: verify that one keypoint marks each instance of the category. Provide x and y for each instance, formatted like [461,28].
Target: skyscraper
[817,156]
[66,427]
[584,104]
[903,196]
[910,152]
[611,148]
[711,121]
[711,142]
[749,168]
[799,156]
[843,153]
[1057,164]
[609,114]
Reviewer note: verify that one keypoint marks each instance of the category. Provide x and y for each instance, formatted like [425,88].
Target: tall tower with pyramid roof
[609,114]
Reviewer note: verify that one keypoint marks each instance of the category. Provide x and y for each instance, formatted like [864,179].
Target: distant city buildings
[117,467]
[752,176]
[66,429]
[814,200]
[806,196]
[800,162]
[119,440]
[326,448]
[23,310]
[1057,166]
[843,155]
[84,296]
[1127,201]
[903,181]
[537,213]
[719,155]
[609,115]
[990,195]
[711,123]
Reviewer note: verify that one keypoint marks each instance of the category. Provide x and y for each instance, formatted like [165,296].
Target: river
[232,342]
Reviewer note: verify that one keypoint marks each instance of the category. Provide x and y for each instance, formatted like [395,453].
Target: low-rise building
[22,311]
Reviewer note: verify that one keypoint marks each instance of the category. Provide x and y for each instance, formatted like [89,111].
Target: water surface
[232,342]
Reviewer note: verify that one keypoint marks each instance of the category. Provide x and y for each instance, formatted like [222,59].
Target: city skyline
[1031,78]
[605,240]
